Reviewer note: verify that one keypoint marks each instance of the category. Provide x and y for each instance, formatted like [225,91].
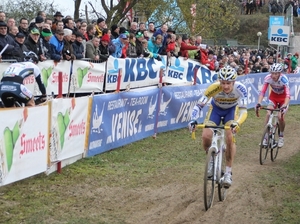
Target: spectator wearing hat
[99,27]
[115,31]
[13,49]
[138,43]
[20,39]
[57,45]
[171,31]
[105,48]
[120,45]
[68,52]
[45,37]
[92,49]
[78,46]
[57,17]
[23,27]
[33,44]
[39,21]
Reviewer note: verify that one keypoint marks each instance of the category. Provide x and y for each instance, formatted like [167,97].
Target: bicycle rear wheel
[263,152]
[274,146]
[209,182]
[221,189]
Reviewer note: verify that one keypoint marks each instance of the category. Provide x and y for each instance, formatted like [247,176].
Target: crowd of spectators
[62,38]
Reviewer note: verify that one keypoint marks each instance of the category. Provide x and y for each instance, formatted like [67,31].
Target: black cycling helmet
[31,56]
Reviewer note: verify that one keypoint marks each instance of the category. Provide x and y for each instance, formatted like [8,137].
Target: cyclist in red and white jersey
[279,96]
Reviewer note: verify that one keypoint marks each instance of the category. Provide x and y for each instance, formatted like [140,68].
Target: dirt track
[183,203]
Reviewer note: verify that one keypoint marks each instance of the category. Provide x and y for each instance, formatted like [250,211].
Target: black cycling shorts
[13,91]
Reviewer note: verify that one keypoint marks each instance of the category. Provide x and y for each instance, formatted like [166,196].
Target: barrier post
[161,74]
[195,75]
[60,79]
[119,81]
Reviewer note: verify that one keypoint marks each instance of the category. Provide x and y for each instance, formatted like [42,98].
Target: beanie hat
[100,20]
[122,30]
[113,27]
[46,32]
[105,37]
[39,19]
[2,23]
[139,34]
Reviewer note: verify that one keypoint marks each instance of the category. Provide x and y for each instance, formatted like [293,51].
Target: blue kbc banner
[126,117]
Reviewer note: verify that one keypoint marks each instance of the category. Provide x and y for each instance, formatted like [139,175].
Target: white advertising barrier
[49,73]
[23,143]
[135,72]
[87,77]
[68,127]
[180,71]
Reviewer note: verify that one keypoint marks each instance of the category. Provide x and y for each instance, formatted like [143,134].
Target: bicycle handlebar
[226,127]
[270,109]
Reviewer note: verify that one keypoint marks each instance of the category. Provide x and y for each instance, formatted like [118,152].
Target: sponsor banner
[180,71]
[23,143]
[119,119]
[176,105]
[49,73]
[87,77]
[280,35]
[254,83]
[68,127]
[135,72]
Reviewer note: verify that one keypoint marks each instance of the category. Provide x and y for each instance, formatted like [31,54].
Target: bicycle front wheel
[274,146]
[209,181]
[264,148]
[221,188]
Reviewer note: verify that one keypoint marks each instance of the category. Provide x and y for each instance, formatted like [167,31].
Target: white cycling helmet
[276,67]
[227,74]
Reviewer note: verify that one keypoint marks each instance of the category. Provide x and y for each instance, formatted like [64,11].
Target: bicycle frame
[217,146]
[216,150]
[269,134]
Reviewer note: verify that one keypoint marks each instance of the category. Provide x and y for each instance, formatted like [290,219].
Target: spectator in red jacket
[185,46]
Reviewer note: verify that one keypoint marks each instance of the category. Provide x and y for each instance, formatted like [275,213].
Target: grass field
[107,188]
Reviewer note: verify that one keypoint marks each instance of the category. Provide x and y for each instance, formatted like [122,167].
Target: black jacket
[13,49]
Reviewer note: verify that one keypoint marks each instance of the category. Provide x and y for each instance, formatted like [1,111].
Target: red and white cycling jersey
[280,87]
